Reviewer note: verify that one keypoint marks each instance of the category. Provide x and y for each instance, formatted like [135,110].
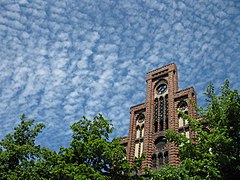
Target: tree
[92,155]
[18,152]
[214,151]
[223,121]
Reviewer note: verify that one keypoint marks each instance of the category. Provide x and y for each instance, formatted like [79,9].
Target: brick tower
[150,120]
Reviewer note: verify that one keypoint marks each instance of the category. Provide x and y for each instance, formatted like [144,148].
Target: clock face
[161,88]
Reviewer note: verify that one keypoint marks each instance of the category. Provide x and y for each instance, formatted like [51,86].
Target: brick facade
[150,120]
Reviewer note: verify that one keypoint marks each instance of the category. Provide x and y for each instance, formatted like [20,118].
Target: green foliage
[18,152]
[214,151]
[223,120]
[91,149]
[91,155]
[170,173]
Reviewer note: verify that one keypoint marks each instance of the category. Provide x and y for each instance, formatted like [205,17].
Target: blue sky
[60,60]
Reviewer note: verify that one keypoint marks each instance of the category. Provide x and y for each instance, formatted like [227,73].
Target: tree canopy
[18,151]
[90,155]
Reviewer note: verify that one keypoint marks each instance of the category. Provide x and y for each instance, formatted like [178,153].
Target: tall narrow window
[156,114]
[166,112]
[160,156]
[154,160]
[136,149]
[138,132]
[180,120]
[161,113]
[141,148]
[142,132]
[186,121]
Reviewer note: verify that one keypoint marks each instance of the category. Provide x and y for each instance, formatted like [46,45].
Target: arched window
[160,143]
[183,122]
[182,105]
[141,118]
[161,106]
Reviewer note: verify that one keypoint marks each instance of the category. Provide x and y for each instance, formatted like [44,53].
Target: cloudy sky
[60,60]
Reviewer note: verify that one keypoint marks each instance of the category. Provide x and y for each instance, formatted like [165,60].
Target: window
[182,105]
[186,121]
[160,143]
[142,131]
[141,118]
[138,132]
[160,157]
[136,149]
[166,112]
[156,114]
[141,148]
[180,121]
[158,160]
[154,161]
[161,113]
[184,131]
[161,107]
[162,88]
[183,123]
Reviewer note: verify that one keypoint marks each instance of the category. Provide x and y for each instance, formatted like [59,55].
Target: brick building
[150,120]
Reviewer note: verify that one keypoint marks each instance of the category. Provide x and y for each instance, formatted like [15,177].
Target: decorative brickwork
[159,113]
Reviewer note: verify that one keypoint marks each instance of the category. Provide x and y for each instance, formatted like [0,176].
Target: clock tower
[150,120]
